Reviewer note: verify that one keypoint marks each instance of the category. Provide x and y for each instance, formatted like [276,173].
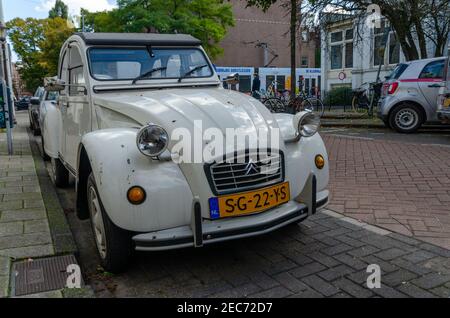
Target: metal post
[4,79]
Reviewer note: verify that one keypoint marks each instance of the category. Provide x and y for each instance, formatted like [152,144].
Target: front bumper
[444,115]
[202,232]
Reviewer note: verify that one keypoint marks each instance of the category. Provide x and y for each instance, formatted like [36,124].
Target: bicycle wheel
[275,105]
[315,105]
[355,103]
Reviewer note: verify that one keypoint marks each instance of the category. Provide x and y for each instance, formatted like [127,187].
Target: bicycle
[304,102]
[366,94]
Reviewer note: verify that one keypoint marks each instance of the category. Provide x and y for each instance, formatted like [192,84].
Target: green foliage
[59,10]
[206,20]
[339,96]
[37,43]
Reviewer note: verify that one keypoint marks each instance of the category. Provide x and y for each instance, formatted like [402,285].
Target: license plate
[249,202]
[446,103]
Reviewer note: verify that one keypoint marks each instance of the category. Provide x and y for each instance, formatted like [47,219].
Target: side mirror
[35,101]
[54,84]
[232,79]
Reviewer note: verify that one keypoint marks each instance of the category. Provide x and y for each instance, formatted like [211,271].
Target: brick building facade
[257,37]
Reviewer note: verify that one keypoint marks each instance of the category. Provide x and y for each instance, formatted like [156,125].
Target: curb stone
[5,268]
[62,237]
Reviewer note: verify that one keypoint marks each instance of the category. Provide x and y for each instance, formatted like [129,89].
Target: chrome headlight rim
[308,119]
[149,127]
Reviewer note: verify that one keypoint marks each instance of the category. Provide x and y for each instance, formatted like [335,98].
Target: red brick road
[403,187]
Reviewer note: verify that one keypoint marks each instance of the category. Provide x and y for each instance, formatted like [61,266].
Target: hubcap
[97,221]
[407,118]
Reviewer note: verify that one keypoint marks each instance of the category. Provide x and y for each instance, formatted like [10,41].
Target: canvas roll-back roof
[152,39]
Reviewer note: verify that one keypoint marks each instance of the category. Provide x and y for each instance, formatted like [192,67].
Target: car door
[430,82]
[77,118]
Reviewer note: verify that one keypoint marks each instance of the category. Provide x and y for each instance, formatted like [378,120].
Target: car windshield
[397,72]
[52,96]
[108,64]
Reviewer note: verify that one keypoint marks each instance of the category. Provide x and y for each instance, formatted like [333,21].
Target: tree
[56,32]
[207,20]
[59,10]
[414,21]
[294,8]
[26,36]
[37,43]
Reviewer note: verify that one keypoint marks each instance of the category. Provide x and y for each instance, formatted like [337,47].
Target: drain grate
[41,275]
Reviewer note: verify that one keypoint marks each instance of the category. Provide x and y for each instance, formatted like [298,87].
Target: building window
[385,50]
[349,34]
[341,53]
[336,57]
[394,49]
[378,49]
[336,36]
[304,61]
[349,55]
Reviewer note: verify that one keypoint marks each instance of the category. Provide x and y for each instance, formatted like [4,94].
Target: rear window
[397,72]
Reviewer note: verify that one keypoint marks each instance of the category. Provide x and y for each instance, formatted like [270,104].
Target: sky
[40,8]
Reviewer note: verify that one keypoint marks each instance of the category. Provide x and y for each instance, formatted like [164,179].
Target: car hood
[184,108]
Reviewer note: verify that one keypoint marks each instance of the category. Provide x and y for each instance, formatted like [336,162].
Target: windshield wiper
[195,69]
[147,74]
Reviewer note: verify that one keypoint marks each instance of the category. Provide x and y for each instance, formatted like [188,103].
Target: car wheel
[114,245]
[45,157]
[36,131]
[386,123]
[60,174]
[406,118]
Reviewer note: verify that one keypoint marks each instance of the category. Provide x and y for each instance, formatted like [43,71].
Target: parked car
[410,93]
[23,103]
[49,101]
[122,99]
[33,110]
[444,96]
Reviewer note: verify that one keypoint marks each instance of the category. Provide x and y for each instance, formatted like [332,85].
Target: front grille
[245,172]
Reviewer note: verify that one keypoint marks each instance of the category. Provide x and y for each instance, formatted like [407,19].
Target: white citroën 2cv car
[125,100]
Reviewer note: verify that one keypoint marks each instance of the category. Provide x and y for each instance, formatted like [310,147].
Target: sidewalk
[31,228]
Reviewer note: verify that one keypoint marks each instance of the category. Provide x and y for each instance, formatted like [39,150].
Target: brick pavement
[402,187]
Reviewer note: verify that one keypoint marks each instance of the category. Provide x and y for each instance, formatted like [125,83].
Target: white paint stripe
[368,227]
[352,137]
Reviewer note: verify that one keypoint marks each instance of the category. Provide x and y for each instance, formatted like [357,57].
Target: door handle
[435,86]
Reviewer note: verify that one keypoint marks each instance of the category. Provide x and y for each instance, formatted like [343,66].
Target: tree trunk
[293,47]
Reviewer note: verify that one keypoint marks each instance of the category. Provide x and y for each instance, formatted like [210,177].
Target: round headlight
[308,124]
[152,140]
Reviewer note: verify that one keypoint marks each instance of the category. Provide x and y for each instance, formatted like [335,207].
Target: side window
[63,74]
[76,73]
[433,70]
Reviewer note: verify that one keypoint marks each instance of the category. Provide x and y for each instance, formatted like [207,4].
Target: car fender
[118,165]
[52,130]
[300,157]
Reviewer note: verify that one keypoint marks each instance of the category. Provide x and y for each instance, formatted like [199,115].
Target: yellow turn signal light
[136,195]
[320,161]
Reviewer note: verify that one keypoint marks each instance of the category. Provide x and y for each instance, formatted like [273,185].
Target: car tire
[44,155]
[386,123]
[60,173]
[36,131]
[406,118]
[114,245]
